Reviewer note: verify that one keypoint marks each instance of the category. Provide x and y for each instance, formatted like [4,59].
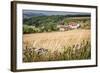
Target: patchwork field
[67,45]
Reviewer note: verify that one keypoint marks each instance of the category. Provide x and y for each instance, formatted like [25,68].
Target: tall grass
[73,52]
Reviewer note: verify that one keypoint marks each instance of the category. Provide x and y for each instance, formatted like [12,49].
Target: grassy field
[67,45]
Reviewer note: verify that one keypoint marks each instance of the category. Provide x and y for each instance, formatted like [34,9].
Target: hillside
[49,23]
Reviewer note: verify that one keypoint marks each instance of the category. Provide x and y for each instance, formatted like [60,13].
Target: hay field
[56,41]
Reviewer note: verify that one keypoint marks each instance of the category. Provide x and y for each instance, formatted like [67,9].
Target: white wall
[5,37]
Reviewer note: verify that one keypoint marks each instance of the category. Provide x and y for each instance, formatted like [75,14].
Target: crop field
[54,46]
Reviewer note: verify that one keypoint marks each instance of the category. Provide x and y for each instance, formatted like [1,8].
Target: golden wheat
[55,40]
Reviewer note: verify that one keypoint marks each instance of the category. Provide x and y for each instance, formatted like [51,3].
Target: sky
[53,12]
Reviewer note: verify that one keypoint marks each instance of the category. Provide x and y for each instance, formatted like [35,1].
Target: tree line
[38,24]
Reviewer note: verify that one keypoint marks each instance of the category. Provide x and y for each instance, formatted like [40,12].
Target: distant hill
[30,14]
[79,15]
[30,18]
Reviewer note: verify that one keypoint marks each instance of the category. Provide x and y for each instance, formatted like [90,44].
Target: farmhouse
[63,27]
[71,25]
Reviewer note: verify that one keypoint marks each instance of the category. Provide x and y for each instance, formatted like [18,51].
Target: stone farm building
[71,25]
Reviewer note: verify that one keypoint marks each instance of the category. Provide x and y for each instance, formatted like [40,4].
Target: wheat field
[56,41]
